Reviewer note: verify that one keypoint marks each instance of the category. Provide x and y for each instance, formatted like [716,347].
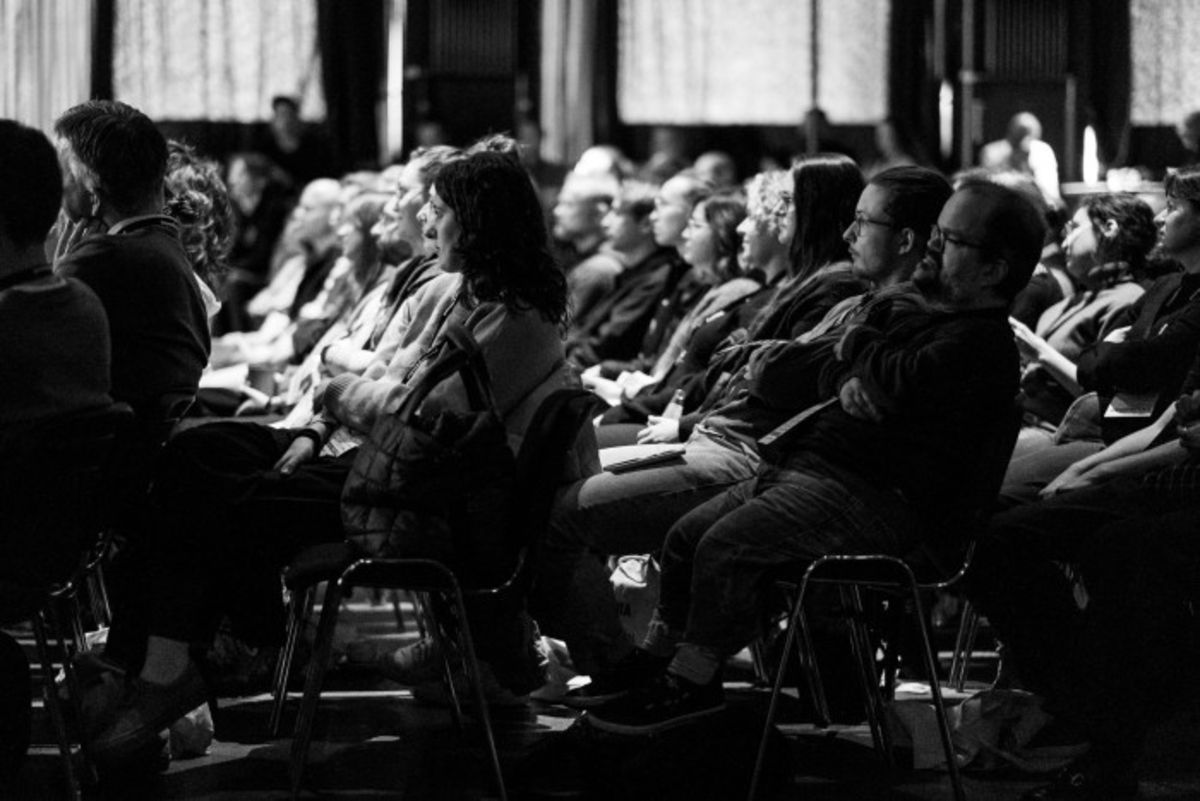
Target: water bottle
[674,409]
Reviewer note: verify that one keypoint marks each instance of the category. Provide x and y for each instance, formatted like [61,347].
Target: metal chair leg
[864,655]
[964,645]
[935,691]
[807,654]
[476,677]
[318,664]
[298,609]
[777,689]
[54,706]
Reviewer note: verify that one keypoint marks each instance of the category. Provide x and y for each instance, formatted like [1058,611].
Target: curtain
[45,58]
[353,41]
[568,77]
[713,62]
[1165,60]
[216,59]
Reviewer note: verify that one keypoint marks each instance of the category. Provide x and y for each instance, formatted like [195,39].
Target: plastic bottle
[674,409]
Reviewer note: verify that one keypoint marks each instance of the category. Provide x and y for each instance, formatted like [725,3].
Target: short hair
[915,196]
[496,143]
[635,199]
[697,188]
[825,191]
[503,242]
[430,160]
[1136,231]
[30,184]
[724,212]
[122,152]
[1183,184]
[769,196]
[363,211]
[1015,232]
[597,189]
[196,197]
[285,100]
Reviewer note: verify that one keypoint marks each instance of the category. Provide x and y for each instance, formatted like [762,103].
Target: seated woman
[238,501]
[1139,366]
[1106,244]
[197,199]
[711,243]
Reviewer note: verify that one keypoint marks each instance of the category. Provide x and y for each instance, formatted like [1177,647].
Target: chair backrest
[548,446]
[56,489]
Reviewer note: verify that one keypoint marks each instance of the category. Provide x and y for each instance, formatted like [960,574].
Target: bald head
[310,219]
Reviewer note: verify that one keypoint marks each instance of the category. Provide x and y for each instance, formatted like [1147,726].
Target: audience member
[128,252]
[578,219]
[1106,244]
[1140,365]
[614,327]
[261,208]
[197,199]
[239,500]
[716,167]
[915,390]
[1023,150]
[298,149]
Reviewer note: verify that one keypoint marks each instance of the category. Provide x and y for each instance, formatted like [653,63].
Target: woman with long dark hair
[236,502]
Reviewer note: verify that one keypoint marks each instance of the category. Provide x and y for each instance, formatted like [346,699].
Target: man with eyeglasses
[884,465]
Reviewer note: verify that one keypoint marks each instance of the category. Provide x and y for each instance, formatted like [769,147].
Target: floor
[374,741]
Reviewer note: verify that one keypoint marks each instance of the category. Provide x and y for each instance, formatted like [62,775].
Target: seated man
[578,231]
[917,389]
[614,326]
[128,252]
[616,513]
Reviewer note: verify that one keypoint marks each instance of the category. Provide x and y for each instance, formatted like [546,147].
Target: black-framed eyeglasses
[939,236]
[861,219]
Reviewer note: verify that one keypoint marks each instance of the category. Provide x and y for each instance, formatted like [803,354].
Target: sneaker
[635,670]
[665,703]
[145,710]
[434,693]
[416,663]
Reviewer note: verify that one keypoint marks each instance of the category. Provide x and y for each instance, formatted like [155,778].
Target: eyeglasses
[1070,228]
[861,219]
[937,236]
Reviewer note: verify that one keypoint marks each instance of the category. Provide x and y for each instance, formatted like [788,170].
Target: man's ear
[995,271]
[1109,229]
[907,241]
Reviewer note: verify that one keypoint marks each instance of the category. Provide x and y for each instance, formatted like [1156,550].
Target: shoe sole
[591,701]
[123,749]
[651,728]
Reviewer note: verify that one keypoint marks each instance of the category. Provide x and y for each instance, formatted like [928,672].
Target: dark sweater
[1164,332]
[156,316]
[614,327]
[946,383]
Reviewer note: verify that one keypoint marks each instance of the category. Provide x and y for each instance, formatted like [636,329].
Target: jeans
[720,560]
[619,513]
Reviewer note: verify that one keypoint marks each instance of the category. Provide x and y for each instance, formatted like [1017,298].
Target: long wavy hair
[196,197]
[503,243]
[825,190]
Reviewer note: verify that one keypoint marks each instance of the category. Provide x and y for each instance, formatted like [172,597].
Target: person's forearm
[1138,464]
[1062,369]
[1131,444]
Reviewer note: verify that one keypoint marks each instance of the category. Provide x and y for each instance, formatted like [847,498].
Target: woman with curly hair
[236,502]
[196,198]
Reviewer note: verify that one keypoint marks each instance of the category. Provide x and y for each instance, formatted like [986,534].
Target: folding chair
[550,437]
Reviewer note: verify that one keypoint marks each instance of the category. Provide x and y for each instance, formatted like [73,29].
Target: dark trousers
[1134,550]
[720,559]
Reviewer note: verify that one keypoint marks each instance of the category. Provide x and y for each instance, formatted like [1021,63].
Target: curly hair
[196,197]
[1136,231]
[825,192]
[769,197]
[724,212]
[503,243]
